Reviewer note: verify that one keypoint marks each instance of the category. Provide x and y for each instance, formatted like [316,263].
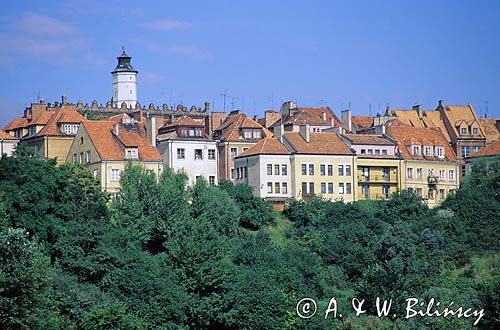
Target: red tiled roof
[16,123]
[230,128]
[488,125]
[107,143]
[490,150]
[324,143]
[373,139]
[407,136]
[329,114]
[183,121]
[362,122]
[6,136]
[63,115]
[267,146]
[43,119]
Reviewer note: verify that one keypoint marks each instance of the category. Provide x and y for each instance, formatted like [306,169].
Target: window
[409,173]
[285,188]
[115,174]
[415,150]
[276,170]
[330,187]
[439,152]
[32,130]
[81,157]
[191,131]
[386,173]
[419,192]
[341,170]
[95,173]
[234,152]
[322,169]
[370,151]
[377,152]
[348,188]
[475,148]
[269,187]
[463,131]
[465,151]
[304,169]
[257,133]
[181,153]
[269,169]
[311,169]
[348,170]
[247,133]
[199,131]
[330,170]
[323,187]
[311,187]
[67,129]
[245,148]
[132,153]
[87,157]
[366,173]
[304,188]
[386,191]
[441,193]
[451,175]
[430,172]
[276,187]
[341,188]
[184,132]
[198,153]
[365,190]
[428,151]
[245,171]
[430,194]
[211,154]
[75,158]
[475,131]
[232,174]
[211,180]
[442,174]
[284,170]
[384,152]
[363,151]
[419,173]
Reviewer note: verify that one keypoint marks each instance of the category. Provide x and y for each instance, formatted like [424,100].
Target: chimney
[441,103]
[207,107]
[207,124]
[347,118]
[287,107]
[323,115]
[278,132]
[116,129]
[255,118]
[305,132]
[418,108]
[64,100]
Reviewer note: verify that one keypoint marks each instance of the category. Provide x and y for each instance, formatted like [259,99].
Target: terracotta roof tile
[324,143]
[456,113]
[372,139]
[488,125]
[407,136]
[490,150]
[6,136]
[362,122]
[230,128]
[183,121]
[16,123]
[428,119]
[43,119]
[329,114]
[267,146]
[62,115]
[107,143]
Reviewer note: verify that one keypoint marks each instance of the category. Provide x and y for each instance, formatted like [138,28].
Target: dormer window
[70,129]
[32,130]
[132,153]
[440,152]
[415,150]
[463,131]
[252,133]
[428,151]
[191,132]
[475,131]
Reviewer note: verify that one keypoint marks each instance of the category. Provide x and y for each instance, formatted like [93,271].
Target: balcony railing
[376,178]
[375,196]
[432,180]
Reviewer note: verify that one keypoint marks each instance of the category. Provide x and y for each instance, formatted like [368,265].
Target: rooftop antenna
[322,103]
[272,100]
[485,109]
[243,104]
[370,109]
[38,97]
[233,102]
[224,95]
[349,104]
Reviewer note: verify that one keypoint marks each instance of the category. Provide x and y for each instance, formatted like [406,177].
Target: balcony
[432,180]
[377,178]
[384,196]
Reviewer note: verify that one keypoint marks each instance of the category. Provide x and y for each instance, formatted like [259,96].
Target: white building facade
[124,82]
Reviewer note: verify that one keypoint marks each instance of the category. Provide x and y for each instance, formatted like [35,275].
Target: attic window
[132,153]
[428,151]
[440,152]
[463,131]
[70,129]
[475,131]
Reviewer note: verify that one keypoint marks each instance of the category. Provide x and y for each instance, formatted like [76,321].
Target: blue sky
[332,53]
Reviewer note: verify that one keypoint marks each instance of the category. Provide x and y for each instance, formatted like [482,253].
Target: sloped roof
[407,136]
[490,150]
[329,114]
[16,123]
[63,115]
[107,143]
[43,119]
[429,119]
[362,122]
[488,125]
[457,113]
[372,139]
[324,143]
[6,136]
[302,118]
[267,146]
[183,121]
[230,128]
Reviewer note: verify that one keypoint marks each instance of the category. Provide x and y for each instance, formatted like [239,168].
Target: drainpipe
[354,174]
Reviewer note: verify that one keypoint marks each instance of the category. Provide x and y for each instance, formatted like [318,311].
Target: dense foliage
[164,256]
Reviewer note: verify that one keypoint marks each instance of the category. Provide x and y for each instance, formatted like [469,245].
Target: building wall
[124,88]
[377,182]
[441,188]
[7,147]
[105,168]
[389,149]
[192,167]
[52,147]
[259,178]
[317,178]
[226,163]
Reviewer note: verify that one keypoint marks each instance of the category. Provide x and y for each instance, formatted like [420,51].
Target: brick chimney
[64,100]
[207,107]
[418,108]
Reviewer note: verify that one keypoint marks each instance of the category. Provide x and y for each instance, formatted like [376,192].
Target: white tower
[124,82]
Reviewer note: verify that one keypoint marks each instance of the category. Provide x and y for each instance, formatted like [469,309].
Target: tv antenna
[224,95]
